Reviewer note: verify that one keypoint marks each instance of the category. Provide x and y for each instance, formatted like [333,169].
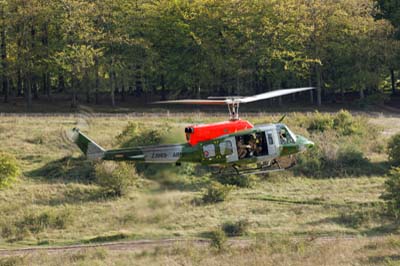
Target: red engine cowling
[198,133]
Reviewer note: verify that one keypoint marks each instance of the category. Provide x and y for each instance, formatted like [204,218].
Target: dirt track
[139,245]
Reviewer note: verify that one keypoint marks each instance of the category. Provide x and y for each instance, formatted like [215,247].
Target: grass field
[56,203]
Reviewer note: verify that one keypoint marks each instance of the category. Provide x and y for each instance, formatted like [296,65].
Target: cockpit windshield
[285,135]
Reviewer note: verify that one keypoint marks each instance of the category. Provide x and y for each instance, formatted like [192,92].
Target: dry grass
[278,205]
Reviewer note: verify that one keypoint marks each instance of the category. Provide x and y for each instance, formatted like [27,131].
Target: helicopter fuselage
[259,144]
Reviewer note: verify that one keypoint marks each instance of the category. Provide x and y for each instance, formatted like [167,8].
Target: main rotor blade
[271,94]
[189,101]
[236,99]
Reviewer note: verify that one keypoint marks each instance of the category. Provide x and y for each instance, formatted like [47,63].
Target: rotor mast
[233,108]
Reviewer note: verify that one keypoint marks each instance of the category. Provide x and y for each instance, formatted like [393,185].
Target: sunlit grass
[277,205]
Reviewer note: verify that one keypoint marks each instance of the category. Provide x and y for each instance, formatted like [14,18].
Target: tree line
[194,48]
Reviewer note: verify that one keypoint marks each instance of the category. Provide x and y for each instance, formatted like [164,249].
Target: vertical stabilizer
[92,150]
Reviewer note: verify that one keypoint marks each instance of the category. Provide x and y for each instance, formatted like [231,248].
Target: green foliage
[87,46]
[343,123]
[115,178]
[216,192]
[346,125]
[320,122]
[218,239]
[346,161]
[394,150]
[9,169]
[238,228]
[392,193]
[33,223]
[139,134]
[242,181]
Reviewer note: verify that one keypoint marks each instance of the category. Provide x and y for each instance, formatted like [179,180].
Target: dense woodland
[195,48]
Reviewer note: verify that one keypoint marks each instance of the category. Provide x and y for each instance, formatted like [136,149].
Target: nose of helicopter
[304,143]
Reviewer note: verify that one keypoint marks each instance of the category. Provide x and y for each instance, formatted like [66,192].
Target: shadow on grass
[65,170]
[384,260]
[187,177]
[76,196]
[336,169]
[107,238]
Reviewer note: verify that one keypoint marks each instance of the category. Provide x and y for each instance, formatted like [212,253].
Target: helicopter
[230,145]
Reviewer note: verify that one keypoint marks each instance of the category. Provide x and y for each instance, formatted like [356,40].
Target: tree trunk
[61,83]
[311,91]
[28,93]
[97,81]
[19,83]
[318,76]
[362,89]
[74,99]
[4,58]
[163,92]
[46,75]
[393,79]
[4,66]
[112,89]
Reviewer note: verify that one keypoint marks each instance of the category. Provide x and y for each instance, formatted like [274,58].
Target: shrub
[138,134]
[9,169]
[236,180]
[32,223]
[320,122]
[238,228]
[115,178]
[216,192]
[394,150]
[392,193]
[329,161]
[218,239]
[48,219]
[345,124]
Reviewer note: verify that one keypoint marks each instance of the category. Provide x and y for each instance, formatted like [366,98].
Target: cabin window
[226,147]
[209,151]
[270,139]
[285,135]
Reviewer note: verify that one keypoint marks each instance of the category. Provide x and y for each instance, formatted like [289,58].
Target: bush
[394,150]
[216,192]
[320,122]
[138,134]
[115,178]
[9,169]
[238,228]
[343,123]
[329,161]
[218,239]
[392,193]
[242,181]
[38,222]
[32,223]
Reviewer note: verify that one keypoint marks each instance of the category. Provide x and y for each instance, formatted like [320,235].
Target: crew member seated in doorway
[242,148]
[282,137]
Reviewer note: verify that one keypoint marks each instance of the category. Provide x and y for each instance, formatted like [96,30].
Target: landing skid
[270,167]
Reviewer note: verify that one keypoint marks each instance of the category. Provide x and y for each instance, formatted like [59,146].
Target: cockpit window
[285,135]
